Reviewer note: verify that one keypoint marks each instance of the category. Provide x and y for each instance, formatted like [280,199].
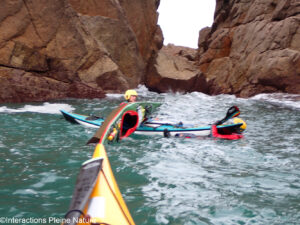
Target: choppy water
[255,180]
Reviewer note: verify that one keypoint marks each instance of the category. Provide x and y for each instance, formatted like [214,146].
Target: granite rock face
[174,69]
[67,48]
[252,47]
[85,48]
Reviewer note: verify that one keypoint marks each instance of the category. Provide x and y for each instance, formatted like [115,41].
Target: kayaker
[214,134]
[130,95]
[231,113]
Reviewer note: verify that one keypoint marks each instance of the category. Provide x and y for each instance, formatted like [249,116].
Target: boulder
[174,70]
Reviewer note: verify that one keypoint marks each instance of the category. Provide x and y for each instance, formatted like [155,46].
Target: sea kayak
[97,198]
[88,121]
[154,127]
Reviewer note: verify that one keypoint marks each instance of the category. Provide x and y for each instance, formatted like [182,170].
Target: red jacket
[214,133]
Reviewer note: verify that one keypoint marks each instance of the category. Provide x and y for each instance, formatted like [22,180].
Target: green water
[255,180]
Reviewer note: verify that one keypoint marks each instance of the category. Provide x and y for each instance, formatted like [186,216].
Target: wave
[142,91]
[280,99]
[50,108]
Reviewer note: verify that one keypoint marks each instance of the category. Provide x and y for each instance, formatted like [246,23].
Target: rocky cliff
[252,47]
[75,48]
[84,48]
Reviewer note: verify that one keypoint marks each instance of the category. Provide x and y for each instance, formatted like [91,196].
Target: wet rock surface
[70,48]
[252,47]
[84,49]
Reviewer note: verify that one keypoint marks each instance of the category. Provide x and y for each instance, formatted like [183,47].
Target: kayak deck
[154,128]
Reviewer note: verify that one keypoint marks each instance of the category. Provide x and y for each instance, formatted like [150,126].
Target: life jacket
[215,134]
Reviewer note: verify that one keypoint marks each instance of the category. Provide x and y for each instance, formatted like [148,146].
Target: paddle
[233,111]
[85,184]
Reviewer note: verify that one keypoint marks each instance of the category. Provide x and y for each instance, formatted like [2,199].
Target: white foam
[50,108]
[282,99]
[142,91]
[114,95]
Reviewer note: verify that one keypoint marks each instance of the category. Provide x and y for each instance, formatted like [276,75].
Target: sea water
[254,180]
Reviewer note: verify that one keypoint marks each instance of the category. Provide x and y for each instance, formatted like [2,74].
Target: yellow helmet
[238,120]
[129,93]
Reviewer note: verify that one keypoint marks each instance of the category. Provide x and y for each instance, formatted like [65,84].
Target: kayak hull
[88,121]
[173,133]
[156,128]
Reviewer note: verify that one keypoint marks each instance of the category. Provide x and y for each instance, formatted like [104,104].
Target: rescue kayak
[154,127]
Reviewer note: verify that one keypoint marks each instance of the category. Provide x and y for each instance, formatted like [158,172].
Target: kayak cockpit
[129,123]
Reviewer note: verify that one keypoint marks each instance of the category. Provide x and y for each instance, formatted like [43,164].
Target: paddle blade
[233,111]
[85,183]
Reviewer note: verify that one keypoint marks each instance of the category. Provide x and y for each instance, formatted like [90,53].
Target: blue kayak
[152,127]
